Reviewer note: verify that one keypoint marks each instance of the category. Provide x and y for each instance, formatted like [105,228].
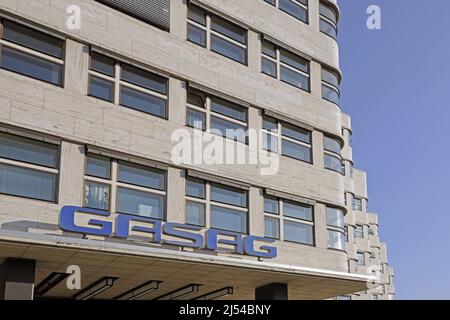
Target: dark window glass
[327,28]
[140,203]
[228,129]
[102,64]
[298,232]
[336,240]
[97,195]
[195,213]
[296,151]
[102,89]
[27,150]
[328,12]
[271,228]
[27,183]
[229,109]
[228,195]
[143,102]
[141,176]
[330,77]
[334,163]
[293,9]
[332,144]
[197,35]
[228,29]
[335,218]
[270,124]
[297,210]
[296,133]
[228,219]
[228,49]
[269,67]
[270,142]
[196,14]
[33,39]
[144,79]
[196,98]
[98,166]
[294,61]
[269,49]
[330,94]
[196,189]
[31,66]
[294,78]
[196,119]
[271,205]
[272,2]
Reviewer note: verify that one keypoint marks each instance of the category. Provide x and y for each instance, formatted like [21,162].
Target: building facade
[91,96]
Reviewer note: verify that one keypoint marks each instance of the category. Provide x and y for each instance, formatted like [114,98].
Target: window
[328,20]
[288,220]
[127,86]
[217,34]
[330,85]
[139,190]
[361,260]
[344,298]
[336,228]
[332,155]
[357,204]
[28,168]
[287,139]
[359,232]
[216,115]
[285,66]
[296,8]
[31,53]
[216,206]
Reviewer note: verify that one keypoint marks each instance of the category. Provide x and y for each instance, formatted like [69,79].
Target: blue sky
[396,83]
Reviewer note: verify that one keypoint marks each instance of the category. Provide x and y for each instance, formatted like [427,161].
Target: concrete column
[256,216]
[76,67]
[17,279]
[273,291]
[175,195]
[317,146]
[316,79]
[313,9]
[320,226]
[177,101]
[71,174]
[254,51]
[178,16]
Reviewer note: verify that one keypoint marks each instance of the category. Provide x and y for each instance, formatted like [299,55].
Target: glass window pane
[359,232]
[27,150]
[269,67]
[361,259]
[298,232]
[98,166]
[336,240]
[227,219]
[335,217]
[196,119]
[141,176]
[293,9]
[140,203]
[196,188]
[101,89]
[228,29]
[330,94]
[144,79]
[102,64]
[330,77]
[328,12]
[334,163]
[271,228]
[229,195]
[97,195]
[269,49]
[229,129]
[27,183]
[143,102]
[294,61]
[271,205]
[357,204]
[328,28]
[195,213]
[196,35]
[196,98]
[196,14]
[31,66]
[270,124]
[33,39]
[228,49]
[297,210]
[296,151]
[332,144]
[296,133]
[229,109]
[294,78]
[270,142]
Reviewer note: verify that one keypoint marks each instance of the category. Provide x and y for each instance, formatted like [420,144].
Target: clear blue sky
[396,87]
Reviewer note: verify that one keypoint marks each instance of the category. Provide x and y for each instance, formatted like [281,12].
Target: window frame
[329,85]
[208,203]
[341,230]
[357,200]
[282,218]
[114,186]
[298,3]
[118,84]
[209,33]
[280,137]
[209,114]
[328,20]
[329,153]
[33,52]
[56,171]
[357,234]
[280,64]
